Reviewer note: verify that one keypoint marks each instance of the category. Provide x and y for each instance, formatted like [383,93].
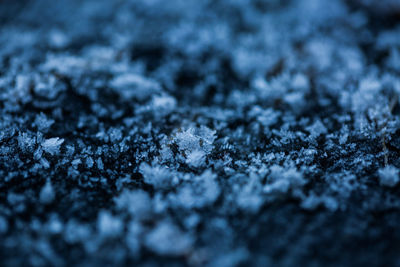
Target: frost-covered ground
[217,133]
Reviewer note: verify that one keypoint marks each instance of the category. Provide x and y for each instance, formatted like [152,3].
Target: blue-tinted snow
[200,133]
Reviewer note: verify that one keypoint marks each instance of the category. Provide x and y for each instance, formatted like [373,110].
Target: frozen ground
[217,133]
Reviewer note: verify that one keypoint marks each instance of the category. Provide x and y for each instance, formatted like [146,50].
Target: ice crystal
[52,145]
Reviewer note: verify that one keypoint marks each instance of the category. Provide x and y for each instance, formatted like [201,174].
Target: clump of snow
[199,192]
[47,194]
[195,144]
[300,82]
[163,104]
[365,96]
[167,239]
[108,225]
[22,83]
[133,240]
[43,123]
[316,129]
[196,139]
[389,176]
[394,59]
[249,197]
[196,158]
[63,63]
[157,175]
[312,202]
[52,145]
[137,202]
[282,179]
[115,134]
[26,142]
[266,117]
[76,232]
[89,162]
[100,164]
[48,87]
[130,85]
[58,39]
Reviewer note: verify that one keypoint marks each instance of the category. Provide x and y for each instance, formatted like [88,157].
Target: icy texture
[52,145]
[199,133]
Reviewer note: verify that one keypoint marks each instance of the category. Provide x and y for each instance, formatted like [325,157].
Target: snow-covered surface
[200,133]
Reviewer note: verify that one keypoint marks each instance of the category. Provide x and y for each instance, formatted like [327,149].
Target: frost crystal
[43,123]
[196,158]
[317,128]
[157,176]
[195,144]
[52,145]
